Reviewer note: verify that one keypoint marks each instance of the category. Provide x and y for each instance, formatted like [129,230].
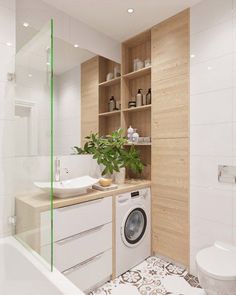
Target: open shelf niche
[108,121]
[138,47]
[124,89]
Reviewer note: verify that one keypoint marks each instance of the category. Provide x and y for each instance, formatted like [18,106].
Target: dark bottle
[149,97]
[112,104]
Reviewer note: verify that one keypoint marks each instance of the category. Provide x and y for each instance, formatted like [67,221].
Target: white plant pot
[119,177]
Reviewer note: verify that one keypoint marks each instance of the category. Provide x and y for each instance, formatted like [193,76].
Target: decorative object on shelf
[135,61]
[140,64]
[110,76]
[147,139]
[135,136]
[130,132]
[149,97]
[139,98]
[147,63]
[118,105]
[111,153]
[117,72]
[132,104]
[112,104]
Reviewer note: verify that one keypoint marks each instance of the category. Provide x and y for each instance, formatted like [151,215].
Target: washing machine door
[134,227]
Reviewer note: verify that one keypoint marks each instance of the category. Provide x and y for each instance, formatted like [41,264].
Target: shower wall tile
[221,103]
[212,131]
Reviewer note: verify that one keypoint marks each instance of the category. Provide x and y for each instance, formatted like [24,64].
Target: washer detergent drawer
[72,220]
[91,272]
[78,248]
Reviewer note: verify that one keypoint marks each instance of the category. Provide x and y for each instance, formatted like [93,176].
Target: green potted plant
[112,155]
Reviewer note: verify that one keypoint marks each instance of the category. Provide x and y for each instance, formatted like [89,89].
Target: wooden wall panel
[170,137]
[89,97]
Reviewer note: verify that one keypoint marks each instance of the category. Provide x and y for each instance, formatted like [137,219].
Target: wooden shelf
[137,74]
[107,114]
[110,82]
[138,109]
[139,144]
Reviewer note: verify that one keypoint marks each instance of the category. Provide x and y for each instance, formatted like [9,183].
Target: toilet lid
[218,263]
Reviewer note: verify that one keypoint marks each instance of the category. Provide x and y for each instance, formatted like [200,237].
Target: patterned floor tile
[154,276]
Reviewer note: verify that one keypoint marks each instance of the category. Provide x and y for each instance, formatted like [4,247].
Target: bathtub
[26,273]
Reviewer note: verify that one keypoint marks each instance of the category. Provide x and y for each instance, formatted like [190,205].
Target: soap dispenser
[139,98]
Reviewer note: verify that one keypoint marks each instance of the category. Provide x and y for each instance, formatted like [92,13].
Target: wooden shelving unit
[124,89]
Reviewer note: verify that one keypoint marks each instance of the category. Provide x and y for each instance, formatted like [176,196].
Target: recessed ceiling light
[25,25]
[76,45]
[130,10]
[209,68]
[48,63]
[30,75]
[193,55]
[9,44]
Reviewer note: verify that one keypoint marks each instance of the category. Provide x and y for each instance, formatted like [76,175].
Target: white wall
[213,123]
[7,35]
[67,111]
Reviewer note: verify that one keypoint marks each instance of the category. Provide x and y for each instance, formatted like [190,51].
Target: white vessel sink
[68,188]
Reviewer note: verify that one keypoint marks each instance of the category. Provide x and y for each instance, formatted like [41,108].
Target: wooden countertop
[41,202]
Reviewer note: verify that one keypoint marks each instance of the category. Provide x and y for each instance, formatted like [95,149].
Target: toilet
[216,267]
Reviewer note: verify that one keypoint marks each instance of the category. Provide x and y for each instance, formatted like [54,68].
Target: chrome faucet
[57,170]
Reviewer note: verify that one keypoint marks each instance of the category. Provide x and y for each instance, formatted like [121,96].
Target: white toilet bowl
[216,268]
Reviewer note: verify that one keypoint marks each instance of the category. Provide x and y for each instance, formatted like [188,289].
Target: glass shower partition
[34,163]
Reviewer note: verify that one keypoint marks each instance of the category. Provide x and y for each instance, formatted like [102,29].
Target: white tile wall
[7,35]
[212,131]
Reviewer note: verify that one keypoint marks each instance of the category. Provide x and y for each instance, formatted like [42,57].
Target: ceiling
[111,18]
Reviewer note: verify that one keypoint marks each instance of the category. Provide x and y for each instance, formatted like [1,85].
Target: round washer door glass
[135,226]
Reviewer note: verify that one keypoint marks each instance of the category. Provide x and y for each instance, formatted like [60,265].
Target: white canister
[135,136]
[120,176]
[140,64]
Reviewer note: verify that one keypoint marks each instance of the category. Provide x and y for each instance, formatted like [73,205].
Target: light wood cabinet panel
[170,77]
[171,169]
[89,97]
[170,137]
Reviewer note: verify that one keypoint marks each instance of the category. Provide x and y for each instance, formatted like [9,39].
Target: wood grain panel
[171,169]
[170,137]
[89,97]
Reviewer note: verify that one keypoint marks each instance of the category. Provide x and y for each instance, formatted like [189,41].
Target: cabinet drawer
[72,220]
[76,249]
[91,272]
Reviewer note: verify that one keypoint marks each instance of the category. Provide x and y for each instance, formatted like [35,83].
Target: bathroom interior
[118,147]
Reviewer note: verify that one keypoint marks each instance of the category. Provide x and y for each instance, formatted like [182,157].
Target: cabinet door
[170,137]
[89,97]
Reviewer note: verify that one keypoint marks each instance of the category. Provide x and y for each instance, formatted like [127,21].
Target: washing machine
[133,229]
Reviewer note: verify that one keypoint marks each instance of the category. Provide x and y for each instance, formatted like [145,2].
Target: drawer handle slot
[82,264]
[80,235]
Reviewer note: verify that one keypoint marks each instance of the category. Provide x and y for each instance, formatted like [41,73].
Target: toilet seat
[218,261]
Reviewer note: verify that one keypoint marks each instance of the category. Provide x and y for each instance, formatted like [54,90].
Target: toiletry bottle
[139,98]
[149,97]
[135,136]
[144,100]
[112,104]
[130,132]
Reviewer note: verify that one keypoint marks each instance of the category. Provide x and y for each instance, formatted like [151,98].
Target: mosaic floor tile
[154,276]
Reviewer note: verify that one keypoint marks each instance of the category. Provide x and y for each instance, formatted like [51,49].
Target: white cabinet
[82,242]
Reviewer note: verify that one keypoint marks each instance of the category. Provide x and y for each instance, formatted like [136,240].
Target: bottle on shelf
[112,104]
[135,136]
[149,97]
[130,132]
[139,98]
